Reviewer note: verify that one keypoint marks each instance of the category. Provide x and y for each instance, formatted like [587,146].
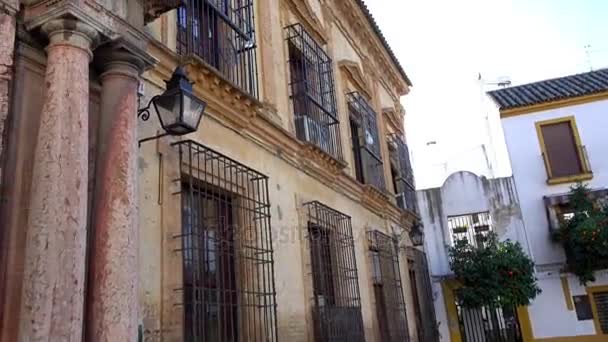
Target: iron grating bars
[423,295]
[336,299]
[405,186]
[472,228]
[363,117]
[313,92]
[226,245]
[222,34]
[388,289]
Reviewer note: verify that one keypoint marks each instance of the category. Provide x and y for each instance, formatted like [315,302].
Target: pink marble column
[113,308]
[7,43]
[54,269]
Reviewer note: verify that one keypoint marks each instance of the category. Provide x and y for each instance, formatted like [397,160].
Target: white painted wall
[464,193]
[548,312]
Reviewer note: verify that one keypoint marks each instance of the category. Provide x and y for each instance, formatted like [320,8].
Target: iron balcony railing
[228,285]
[313,94]
[367,144]
[336,299]
[405,188]
[222,34]
[388,289]
[472,228]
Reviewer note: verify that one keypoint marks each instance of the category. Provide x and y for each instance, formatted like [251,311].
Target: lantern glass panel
[169,107]
[193,109]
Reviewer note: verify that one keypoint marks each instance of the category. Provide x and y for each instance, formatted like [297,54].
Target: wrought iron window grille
[336,299]
[366,142]
[388,289]
[405,188]
[222,34]
[473,228]
[312,90]
[423,295]
[226,246]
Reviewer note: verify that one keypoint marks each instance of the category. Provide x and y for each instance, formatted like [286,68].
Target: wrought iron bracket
[144,115]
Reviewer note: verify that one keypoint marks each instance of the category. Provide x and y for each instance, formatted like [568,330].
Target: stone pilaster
[54,270]
[113,313]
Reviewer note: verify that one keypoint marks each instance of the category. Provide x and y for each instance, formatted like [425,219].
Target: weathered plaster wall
[464,193]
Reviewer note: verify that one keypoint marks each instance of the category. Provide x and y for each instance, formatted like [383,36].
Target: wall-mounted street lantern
[417,234]
[179,110]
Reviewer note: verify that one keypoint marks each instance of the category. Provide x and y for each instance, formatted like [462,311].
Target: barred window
[421,287]
[472,228]
[336,299]
[222,34]
[402,173]
[366,144]
[228,269]
[388,291]
[312,92]
[600,299]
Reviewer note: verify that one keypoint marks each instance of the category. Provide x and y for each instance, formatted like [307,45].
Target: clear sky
[444,45]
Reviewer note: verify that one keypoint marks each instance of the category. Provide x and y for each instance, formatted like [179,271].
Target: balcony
[403,175]
[221,34]
[312,92]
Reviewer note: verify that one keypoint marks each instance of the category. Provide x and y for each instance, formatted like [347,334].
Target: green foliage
[585,235]
[495,274]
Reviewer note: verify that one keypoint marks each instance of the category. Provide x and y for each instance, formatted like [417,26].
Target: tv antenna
[588,54]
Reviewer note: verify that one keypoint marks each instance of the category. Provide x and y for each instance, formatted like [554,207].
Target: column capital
[122,57]
[70,32]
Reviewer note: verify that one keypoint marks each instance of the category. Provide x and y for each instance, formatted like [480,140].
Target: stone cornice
[109,26]
[353,71]
[309,19]
[394,119]
[356,25]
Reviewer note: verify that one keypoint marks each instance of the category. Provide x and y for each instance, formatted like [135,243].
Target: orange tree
[498,273]
[585,235]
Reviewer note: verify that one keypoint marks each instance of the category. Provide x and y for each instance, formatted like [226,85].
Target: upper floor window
[222,34]
[472,228]
[313,92]
[402,173]
[563,153]
[367,153]
[227,291]
[336,298]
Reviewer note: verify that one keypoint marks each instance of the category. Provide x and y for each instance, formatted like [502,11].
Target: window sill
[570,179]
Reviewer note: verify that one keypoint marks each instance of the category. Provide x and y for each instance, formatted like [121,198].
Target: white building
[468,206]
[557,134]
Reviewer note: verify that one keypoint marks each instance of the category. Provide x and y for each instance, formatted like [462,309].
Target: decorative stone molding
[69,32]
[110,27]
[349,16]
[10,7]
[310,20]
[394,119]
[154,8]
[235,104]
[353,71]
[374,199]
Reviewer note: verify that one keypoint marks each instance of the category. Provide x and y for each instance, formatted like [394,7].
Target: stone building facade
[285,216]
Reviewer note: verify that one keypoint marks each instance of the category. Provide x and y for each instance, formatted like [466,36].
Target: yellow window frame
[586,173]
[596,318]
